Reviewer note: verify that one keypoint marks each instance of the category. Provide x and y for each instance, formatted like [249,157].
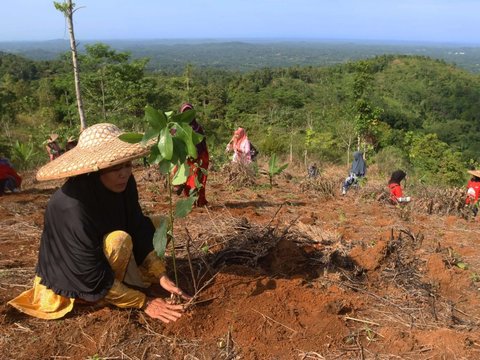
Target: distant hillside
[173,55]
[414,110]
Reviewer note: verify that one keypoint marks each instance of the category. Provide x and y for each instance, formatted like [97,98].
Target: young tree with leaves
[173,142]
[366,115]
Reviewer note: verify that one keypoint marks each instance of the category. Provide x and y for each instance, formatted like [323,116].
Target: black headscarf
[397,177]
[359,167]
[71,260]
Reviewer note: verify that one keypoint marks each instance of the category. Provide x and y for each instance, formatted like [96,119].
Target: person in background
[9,178]
[71,143]
[357,171]
[473,191]
[198,166]
[312,171]
[96,246]
[52,147]
[240,145]
[396,192]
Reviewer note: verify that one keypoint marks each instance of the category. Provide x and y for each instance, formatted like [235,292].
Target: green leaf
[184,118]
[185,133]
[63,7]
[181,175]
[273,169]
[184,206]
[165,166]
[165,144]
[155,118]
[154,157]
[272,164]
[280,169]
[198,184]
[131,138]
[149,134]
[179,151]
[160,237]
[462,265]
[196,137]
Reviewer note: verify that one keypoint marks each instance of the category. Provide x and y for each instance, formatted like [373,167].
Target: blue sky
[443,21]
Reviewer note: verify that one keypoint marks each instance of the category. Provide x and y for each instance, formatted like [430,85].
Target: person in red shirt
[9,178]
[396,192]
[473,191]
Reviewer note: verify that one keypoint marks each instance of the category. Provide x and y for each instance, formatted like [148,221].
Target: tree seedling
[274,169]
[172,141]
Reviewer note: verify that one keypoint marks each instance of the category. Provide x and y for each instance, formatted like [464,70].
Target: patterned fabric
[350,180]
[43,303]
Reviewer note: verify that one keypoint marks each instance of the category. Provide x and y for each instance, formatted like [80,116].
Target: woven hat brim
[474,172]
[85,160]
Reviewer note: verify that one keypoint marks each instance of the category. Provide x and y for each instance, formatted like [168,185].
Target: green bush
[435,162]
[23,155]
[390,159]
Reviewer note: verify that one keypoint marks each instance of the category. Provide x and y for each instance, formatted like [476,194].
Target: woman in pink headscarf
[240,146]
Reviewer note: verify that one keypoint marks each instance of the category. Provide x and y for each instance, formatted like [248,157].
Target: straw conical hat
[474,172]
[52,138]
[98,148]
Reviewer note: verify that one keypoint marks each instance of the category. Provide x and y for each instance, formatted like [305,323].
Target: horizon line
[261,39]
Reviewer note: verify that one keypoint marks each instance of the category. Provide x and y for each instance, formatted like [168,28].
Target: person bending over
[96,245]
[394,184]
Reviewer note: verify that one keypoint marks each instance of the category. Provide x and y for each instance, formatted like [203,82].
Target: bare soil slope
[282,273]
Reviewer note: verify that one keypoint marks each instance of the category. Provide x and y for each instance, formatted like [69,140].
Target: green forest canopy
[422,111]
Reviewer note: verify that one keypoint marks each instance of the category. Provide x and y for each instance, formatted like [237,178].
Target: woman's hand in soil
[162,310]
[170,286]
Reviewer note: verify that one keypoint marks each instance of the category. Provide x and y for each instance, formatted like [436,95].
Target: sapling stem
[170,226]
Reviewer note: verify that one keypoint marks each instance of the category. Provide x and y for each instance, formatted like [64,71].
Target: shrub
[23,155]
[390,159]
[435,161]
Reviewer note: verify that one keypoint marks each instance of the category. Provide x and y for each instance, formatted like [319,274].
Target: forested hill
[173,55]
[412,112]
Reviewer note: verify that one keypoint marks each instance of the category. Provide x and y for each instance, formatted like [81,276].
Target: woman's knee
[117,241]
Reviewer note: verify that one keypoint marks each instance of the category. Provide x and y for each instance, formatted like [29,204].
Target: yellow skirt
[43,303]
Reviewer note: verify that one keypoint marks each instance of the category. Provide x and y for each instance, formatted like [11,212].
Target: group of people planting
[96,246]
[359,170]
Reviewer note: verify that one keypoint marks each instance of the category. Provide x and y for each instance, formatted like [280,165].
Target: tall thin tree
[68,8]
